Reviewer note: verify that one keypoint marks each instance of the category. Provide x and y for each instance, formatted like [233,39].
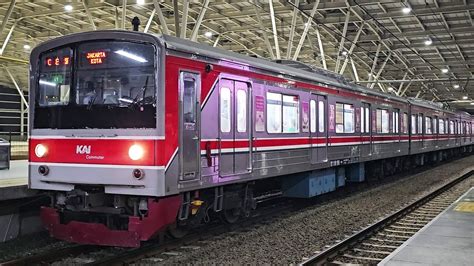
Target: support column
[292,31]
[199,21]
[7,39]
[263,29]
[343,37]
[275,33]
[89,14]
[184,19]
[161,18]
[124,13]
[356,39]
[24,101]
[7,16]
[305,31]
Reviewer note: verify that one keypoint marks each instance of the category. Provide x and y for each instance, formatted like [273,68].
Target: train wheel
[232,215]
[177,231]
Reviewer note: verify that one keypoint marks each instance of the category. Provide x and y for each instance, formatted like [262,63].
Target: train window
[420,124]
[367,119]
[383,123]
[321,116]
[55,77]
[312,107]
[435,125]
[395,121]
[428,125]
[413,124]
[451,127]
[274,102]
[291,116]
[225,110]
[441,126]
[405,123]
[241,111]
[344,118]
[362,118]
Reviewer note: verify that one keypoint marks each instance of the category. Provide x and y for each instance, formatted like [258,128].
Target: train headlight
[41,150]
[136,152]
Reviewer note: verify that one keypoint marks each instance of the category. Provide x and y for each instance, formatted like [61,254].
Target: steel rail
[326,256]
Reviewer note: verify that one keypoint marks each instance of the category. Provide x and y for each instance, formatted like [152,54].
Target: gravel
[286,239]
[289,239]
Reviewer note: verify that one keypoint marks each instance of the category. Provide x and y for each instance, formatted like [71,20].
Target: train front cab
[97,137]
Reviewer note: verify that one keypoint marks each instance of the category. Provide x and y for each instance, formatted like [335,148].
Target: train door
[318,128]
[366,129]
[234,128]
[189,93]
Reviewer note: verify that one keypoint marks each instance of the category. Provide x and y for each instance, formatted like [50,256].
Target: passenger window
[395,121]
[291,114]
[428,125]
[344,118]
[413,124]
[435,125]
[367,120]
[274,108]
[362,118]
[405,123]
[321,116]
[420,124]
[312,110]
[225,111]
[189,100]
[451,127]
[382,121]
[441,126]
[241,111]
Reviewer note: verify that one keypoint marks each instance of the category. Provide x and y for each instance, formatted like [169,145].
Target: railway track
[375,242]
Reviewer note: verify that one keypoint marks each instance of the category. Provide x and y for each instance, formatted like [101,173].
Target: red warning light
[96,58]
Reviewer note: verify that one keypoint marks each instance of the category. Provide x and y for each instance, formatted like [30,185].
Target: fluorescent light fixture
[68,8]
[472,103]
[131,56]
[456,86]
[464,97]
[26,47]
[444,70]
[428,42]
[140,2]
[47,83]
[208,34]
[406,10]
[391,89]
[344,53]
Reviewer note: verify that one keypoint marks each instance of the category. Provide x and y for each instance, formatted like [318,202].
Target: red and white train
[132,133]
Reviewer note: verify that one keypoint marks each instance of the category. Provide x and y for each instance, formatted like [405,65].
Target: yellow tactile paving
[465,207]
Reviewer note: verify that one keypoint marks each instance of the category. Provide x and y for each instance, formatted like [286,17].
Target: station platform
[447,240]
[14,181]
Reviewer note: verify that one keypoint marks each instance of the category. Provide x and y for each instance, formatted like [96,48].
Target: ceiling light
[472,103]
[464,97]
[428,42]
[131,56]
[456,86]
[26,47]
[140,2]
[444,70]
[68,8]
[208,34]
[344,53]
[406,10]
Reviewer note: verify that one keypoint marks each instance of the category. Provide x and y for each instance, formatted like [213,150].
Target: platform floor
[14,181]
[447,240]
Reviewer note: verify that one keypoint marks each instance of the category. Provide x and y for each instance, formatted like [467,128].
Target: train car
[132,134]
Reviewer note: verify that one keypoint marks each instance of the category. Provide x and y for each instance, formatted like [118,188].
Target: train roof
[288,69]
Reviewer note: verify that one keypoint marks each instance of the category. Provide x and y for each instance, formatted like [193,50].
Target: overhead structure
[418,48]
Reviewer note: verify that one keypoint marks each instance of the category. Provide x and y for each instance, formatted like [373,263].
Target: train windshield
[97,85]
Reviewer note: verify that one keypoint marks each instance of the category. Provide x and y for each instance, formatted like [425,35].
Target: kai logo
[83,149]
